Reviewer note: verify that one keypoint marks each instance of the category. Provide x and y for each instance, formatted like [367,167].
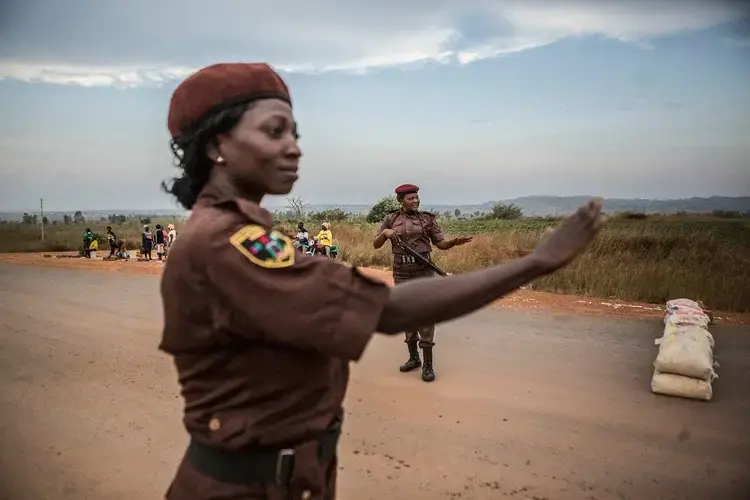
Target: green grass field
[652,260]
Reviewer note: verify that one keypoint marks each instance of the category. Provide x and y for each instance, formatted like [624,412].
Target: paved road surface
[525,406]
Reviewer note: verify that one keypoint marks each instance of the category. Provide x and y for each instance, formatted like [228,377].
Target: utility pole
[41,210]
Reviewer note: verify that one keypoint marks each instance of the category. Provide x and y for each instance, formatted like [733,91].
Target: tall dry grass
[649,260]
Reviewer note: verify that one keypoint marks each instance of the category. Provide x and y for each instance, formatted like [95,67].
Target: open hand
[457,242]
[565,243]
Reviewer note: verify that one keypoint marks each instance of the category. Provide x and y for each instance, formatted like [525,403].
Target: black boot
[428,375]
[414,362]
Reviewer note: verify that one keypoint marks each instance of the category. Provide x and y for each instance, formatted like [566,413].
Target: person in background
[88,237]
[147,242]
[302,239]
[325,238]
[121,252]
[160,238]
[112,240]
[420,231]
[171,235]
[93,247]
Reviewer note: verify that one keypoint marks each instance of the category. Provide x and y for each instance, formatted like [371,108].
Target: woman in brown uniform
[263,363]
[418,230]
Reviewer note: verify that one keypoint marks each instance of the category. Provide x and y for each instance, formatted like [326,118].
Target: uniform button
[214,424]
[306,495]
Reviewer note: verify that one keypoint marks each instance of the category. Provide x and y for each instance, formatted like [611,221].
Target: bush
[505,212]
[632,215]
[728,214]
[382,208]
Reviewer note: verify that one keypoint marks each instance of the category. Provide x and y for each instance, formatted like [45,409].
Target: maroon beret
[219,87]
[407,188]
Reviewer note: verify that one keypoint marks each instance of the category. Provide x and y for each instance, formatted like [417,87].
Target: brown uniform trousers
[406,271]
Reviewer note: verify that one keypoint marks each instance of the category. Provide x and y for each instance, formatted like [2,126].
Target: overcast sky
[471,99]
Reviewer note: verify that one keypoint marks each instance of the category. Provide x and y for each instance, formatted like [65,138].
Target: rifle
[403,246]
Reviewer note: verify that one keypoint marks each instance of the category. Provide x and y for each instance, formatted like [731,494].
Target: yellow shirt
[94,245]
[325,237]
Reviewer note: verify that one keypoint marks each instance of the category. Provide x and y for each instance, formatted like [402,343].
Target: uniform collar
[211,196]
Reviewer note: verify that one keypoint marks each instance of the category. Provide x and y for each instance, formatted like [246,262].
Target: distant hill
[531,205]
[554,205]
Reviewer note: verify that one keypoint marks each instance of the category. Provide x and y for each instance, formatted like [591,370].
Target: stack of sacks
[684,366]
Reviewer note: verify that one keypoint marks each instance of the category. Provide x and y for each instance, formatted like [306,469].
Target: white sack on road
[684,387]
[687,317]
[670,332]
[687,312]
[686,350]
[675,304]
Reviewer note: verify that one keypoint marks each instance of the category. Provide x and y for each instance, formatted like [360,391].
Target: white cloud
[116,44]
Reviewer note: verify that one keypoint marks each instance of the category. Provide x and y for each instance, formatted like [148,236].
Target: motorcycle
[313,247]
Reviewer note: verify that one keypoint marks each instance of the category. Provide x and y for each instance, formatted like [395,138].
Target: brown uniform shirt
[417,230]
[262,344]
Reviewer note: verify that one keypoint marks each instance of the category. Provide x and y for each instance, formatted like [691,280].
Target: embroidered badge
[271,250]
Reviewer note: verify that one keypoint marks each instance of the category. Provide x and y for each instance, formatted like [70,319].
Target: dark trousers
[87,249]
[403,272]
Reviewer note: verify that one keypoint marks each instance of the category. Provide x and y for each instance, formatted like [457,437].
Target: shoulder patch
[269,249]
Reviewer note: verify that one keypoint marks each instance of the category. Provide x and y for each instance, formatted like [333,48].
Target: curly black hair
[189,149]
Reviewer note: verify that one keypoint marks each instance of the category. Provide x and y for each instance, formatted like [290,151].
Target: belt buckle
[284,466]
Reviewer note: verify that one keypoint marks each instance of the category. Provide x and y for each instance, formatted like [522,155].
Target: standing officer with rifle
[412,232]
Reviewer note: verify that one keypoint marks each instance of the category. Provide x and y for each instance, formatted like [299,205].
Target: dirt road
[526,405]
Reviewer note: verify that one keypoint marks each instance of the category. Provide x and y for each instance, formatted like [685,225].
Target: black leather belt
[257,466]
[408,259]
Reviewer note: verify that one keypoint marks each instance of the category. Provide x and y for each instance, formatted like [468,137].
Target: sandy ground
[527,405]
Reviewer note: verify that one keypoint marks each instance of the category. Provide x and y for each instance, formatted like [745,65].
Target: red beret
[219,87]
[407,188]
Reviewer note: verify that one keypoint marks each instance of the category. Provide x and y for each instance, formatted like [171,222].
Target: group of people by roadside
[160,241]
[323,241]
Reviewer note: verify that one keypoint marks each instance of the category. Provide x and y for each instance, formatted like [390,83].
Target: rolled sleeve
[436,233]
[314,303]
[360,315]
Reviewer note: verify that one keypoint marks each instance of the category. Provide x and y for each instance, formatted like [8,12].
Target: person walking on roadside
[147,242]
[262,361]
[112,240]
[418,230]
[160,239]
[171,235]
